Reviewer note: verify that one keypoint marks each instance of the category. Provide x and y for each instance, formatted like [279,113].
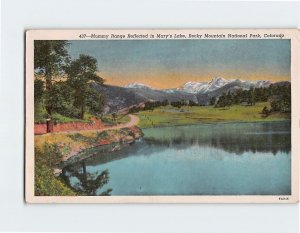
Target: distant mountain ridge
[138,85]
[206,87]
[135,94]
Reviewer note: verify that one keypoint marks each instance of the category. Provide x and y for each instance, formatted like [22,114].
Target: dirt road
[134,120]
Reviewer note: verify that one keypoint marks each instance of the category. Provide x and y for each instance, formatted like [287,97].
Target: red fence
[71,126]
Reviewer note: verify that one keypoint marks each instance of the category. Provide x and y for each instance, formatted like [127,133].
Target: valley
[170,116]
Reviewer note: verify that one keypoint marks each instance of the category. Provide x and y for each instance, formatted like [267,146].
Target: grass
[64,119]
[50,149]
[170,116]
[40,113]
[72,143]
[108,119]
[45,182]
[40,116]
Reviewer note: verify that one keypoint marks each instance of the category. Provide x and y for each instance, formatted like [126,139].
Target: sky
[171,63]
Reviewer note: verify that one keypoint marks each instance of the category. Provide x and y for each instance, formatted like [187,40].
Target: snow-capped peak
[216,83]
[193,87]
[138,85]
[262,83]
[203,87]
[206,87]
[218,80]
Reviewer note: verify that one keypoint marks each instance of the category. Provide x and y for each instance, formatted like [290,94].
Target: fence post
[49,126]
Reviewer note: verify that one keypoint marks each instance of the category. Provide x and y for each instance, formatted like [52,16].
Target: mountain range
[134,94]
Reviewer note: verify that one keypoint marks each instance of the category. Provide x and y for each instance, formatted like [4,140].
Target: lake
[206,159]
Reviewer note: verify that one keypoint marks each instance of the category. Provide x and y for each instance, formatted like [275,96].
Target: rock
[57,171]
[128,138]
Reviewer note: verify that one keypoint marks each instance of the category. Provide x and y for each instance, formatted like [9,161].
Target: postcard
[162,116]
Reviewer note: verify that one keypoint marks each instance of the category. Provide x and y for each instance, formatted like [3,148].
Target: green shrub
[50,157]
[45,182]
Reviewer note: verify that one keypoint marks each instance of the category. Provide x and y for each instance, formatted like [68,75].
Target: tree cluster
[179,104]
[151,105]
[63,85]
[279,97]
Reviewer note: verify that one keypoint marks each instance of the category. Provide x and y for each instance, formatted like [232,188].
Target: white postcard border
[31,35]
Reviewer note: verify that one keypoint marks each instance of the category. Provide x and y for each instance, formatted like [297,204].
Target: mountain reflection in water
[234,138]
[213,142]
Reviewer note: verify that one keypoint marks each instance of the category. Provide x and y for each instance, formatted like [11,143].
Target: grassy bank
[45,182]
[119,119]
[70,144]
[170,116]
[40,116]
[52,149]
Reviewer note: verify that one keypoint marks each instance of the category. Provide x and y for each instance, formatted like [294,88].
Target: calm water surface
[211,159]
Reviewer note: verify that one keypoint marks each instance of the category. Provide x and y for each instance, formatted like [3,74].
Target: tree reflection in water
[235,141]
[235,138]
[88,183]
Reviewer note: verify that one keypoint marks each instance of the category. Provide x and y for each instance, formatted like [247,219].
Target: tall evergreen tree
[81,73]
[50,59]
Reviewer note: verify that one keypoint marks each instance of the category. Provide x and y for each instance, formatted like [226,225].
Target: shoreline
[216,122]
[79,153]
[74,143]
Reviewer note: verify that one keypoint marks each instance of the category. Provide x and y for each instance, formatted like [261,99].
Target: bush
[281,104]
[50,156]
[45,182]
[266,112]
